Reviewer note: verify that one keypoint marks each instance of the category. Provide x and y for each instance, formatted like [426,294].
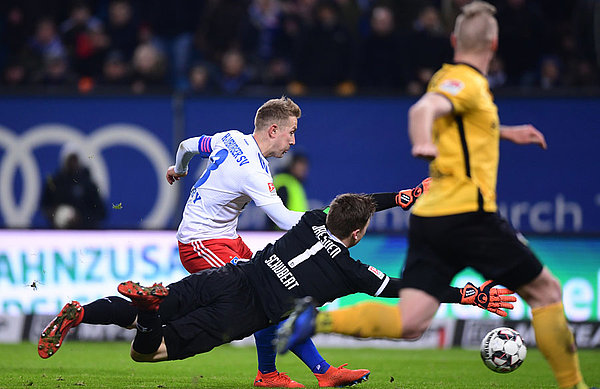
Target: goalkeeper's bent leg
[363,320]
[148,344]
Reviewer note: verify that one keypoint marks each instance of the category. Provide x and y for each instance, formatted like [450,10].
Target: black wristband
[384,201]
[451,295]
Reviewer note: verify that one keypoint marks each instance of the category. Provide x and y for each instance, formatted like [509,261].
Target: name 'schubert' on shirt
[282,272]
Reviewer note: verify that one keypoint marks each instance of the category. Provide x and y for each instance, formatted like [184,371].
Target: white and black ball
[503,350]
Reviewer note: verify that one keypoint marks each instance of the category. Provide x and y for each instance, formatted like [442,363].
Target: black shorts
[440,247]
[208,309]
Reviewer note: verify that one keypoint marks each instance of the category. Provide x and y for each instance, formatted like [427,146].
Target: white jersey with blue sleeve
[237,173]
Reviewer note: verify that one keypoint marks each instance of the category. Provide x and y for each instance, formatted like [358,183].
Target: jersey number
[215,161]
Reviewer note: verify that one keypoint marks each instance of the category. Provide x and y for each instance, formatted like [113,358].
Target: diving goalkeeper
[215,306]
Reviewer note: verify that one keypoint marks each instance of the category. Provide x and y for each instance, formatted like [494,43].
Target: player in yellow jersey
[455,224]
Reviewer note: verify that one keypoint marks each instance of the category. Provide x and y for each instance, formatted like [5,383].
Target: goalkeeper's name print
[323,237]
[282,272]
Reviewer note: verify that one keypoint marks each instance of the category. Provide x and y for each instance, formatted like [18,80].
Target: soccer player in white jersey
[238,173]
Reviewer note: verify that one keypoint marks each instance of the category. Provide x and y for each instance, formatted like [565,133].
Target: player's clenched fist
[172,176]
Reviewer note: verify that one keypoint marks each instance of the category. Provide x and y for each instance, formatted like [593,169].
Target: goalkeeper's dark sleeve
[405,198]
[384,201]
[392,289]
[451,295]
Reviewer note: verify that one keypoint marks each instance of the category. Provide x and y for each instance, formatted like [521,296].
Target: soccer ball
[503,350]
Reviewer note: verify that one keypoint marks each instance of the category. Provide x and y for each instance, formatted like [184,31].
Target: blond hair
[275,111]
[476,27]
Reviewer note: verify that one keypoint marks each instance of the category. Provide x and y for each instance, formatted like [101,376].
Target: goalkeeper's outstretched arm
[372,319]
[404,198]
[485,297]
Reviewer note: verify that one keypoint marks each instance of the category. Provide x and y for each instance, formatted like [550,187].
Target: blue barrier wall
[361,145]
[355,145]
[126,142]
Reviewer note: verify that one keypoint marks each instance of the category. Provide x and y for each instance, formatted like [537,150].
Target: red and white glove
[488,298]
[407,197]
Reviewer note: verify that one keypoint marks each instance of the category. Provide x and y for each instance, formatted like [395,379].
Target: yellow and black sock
[556,342]
[362,320]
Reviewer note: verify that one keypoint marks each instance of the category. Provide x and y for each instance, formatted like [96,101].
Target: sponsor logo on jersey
[377,272]
[271,187]
[452,86]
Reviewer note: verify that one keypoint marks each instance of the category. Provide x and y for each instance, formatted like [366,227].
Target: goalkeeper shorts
[208,309]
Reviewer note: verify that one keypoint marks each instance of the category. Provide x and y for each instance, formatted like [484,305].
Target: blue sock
[265,349]
[310,356]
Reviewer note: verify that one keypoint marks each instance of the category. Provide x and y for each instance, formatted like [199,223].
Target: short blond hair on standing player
[476,28]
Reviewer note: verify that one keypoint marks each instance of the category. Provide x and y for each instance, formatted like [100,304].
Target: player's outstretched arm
[404,198]
[523,135]
[371,319]
[485,296]
[488,298]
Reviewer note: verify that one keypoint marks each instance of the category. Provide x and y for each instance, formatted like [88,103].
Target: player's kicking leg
[268,376]
[326,375]
[340,376]
[297,329]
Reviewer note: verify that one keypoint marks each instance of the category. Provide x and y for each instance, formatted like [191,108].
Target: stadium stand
[241,47]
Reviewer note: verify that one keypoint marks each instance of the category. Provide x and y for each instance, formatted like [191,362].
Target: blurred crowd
[302,46]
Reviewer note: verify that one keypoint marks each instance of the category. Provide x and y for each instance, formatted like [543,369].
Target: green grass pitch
[107,365]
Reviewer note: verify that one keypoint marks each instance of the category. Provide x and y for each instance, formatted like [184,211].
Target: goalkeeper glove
[488,298]
[406,198]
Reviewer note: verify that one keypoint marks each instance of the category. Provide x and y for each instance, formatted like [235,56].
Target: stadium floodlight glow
[19,157]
